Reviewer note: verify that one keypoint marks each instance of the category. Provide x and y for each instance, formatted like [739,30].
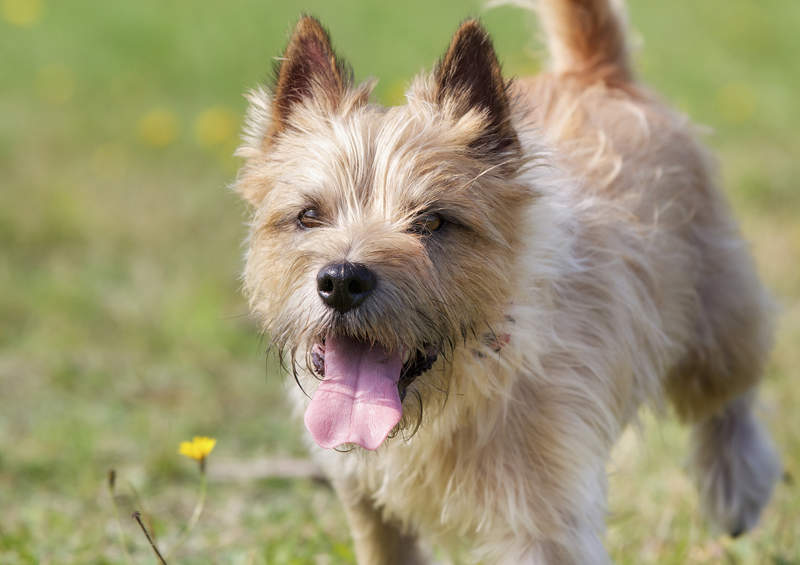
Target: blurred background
[122,328]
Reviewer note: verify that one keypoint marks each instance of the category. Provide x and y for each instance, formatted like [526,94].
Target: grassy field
[122,329]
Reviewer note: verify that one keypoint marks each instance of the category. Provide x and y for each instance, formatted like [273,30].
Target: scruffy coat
[592,265]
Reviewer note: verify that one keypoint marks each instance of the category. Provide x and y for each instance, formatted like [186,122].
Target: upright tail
[586,37]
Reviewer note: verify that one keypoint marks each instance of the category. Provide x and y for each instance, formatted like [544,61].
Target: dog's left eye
[427,224]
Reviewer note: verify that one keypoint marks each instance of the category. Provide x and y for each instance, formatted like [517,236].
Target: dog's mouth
[413,366]
[363,386]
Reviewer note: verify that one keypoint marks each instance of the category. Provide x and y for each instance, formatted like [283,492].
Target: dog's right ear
[309,69]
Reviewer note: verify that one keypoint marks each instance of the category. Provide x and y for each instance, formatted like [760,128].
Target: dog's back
[640,163]
[625,147]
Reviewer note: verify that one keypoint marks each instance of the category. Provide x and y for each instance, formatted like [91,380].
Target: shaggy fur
[587,264]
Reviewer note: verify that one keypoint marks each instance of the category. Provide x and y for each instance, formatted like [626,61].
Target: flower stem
[138,517]
[201,502]
[198,509]
[112,476]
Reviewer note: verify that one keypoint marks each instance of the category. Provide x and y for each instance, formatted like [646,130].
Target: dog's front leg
[569,532]
[377,541]
[586,549]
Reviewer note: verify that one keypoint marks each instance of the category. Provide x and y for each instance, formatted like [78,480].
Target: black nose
[343,286]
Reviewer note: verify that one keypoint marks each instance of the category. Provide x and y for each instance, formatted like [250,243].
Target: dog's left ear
[469,78]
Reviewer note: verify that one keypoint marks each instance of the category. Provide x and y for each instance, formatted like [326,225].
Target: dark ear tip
[471,40]
[310,25]
[307,21]
[471,30]
[470,37]
[472,25]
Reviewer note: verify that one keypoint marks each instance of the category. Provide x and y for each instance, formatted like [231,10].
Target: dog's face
[382,239]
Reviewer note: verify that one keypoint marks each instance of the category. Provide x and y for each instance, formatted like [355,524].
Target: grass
[122,329]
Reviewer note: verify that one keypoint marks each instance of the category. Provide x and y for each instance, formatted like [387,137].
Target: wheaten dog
[479,289]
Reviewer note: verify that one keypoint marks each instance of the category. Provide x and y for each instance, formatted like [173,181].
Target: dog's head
[382,239]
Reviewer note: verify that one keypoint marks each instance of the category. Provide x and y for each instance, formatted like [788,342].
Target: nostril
[361,280]
[325,284]
[355,287]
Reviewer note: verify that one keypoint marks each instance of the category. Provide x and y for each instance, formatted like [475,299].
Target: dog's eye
[309,218]
[427,224]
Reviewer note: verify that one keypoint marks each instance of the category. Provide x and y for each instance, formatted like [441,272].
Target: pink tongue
[357,402]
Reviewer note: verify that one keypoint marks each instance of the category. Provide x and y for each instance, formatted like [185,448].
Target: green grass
[122,329]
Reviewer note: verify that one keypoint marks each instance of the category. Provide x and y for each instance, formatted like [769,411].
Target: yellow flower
[22,13]
[158,127]
[215,126]
[199,448]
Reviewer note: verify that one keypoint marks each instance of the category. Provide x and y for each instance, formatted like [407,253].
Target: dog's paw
[736,468]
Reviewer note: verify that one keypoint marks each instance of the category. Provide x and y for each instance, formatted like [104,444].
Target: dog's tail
[586,37]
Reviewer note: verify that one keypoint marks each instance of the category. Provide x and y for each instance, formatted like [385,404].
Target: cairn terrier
[476,291]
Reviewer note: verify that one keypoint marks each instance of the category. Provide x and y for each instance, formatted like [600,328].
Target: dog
[477,291]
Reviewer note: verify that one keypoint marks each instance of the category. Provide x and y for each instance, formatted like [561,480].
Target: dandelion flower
[199,448]
[215,126]
[158,127]
[22,13]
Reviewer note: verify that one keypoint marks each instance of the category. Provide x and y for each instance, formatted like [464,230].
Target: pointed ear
[308,69]
[469,77]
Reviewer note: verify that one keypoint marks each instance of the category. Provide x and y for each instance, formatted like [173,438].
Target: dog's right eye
[309,218]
